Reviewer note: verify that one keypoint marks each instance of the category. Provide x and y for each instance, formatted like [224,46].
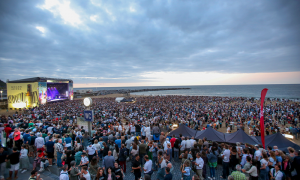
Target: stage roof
[39,79]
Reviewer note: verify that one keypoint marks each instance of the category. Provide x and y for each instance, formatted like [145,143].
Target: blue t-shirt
[26,138]
[188,171]
[68,140]
[49,146]
[118,142]
[279,159]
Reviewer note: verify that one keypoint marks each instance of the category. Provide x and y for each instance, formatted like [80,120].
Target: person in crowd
[213,162]
[252,172]
[3,155]
[64,173]
[84,160]
[59,152]
[168,175]
[296,164]
[73,171]
[136,167]
[142,150]
[39,143]
[276,173]
[100,174]
[110,175]
[226,160]
[237,174]
[24,160]
[50,150]
[108,161]
[186,171]
[92,151]
[161,164]
[148,166]
[34,175]
[85,173]
[199,166]
[122,157]
[118,171]
[93,167]
[264,169]
[15,162]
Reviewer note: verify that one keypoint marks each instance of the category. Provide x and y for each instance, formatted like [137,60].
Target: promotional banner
[22,95]
[43,92]
[262,123]
[71,91]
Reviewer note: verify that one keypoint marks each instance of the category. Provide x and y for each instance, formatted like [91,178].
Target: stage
[33,92]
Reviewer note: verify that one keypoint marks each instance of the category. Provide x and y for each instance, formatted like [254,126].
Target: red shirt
[41,155]
[17,135]
[7,131]
[172,141]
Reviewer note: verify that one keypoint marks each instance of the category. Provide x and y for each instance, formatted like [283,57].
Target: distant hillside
[2,85]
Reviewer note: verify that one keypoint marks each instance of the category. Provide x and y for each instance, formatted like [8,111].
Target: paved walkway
[52,173]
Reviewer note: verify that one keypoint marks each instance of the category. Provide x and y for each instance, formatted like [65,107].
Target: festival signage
[262,123]
[71,91]
[22,95]
[42,92]
[88,115]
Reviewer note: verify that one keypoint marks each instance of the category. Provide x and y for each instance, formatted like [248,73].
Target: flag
[262,124]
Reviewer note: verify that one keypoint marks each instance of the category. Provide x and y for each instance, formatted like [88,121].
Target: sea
[282,91]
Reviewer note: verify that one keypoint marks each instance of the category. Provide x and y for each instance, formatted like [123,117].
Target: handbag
[294,173]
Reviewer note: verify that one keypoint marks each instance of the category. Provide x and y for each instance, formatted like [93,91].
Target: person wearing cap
[84,160]
[257,154]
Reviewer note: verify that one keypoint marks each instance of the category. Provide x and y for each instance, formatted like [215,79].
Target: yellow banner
[22,95]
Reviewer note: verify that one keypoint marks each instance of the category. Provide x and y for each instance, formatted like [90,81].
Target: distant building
[84,91]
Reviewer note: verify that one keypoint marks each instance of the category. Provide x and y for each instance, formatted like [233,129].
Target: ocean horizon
[284,91]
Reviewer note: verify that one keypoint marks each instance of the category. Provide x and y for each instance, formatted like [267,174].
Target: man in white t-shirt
[225,156]
[132,129]
[257,154]
[148,165]
[92,151]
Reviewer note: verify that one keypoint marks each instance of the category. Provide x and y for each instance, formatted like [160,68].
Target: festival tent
[278,140]
[211,135]
[184,130]
[239,136]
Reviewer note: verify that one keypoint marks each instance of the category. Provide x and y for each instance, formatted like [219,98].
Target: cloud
[122,41]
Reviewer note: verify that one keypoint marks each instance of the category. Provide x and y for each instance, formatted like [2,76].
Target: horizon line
[188,85]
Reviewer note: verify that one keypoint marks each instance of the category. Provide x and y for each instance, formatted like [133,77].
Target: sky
[120,43]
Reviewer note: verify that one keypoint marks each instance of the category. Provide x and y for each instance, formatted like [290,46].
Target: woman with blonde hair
[200,143]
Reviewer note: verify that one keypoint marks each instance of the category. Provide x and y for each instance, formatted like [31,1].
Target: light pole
[88,114]
[1,94]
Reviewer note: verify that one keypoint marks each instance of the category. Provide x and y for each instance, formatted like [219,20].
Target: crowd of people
[136,135]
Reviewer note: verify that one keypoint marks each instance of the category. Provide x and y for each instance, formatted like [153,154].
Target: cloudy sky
[145,42]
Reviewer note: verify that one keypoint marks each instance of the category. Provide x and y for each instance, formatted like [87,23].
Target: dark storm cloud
[181,36]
